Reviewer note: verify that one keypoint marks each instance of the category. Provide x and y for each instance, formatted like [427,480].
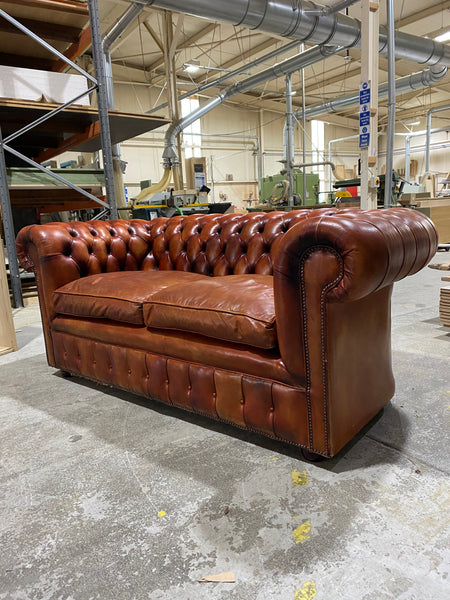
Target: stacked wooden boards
[8,341]
[438,210]
[444,305]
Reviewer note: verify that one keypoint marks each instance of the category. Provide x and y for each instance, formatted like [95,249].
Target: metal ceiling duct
[306,21]
[300,61]
[414,81]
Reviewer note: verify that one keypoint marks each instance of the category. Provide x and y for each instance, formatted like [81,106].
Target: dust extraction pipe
[428,139]
[414,81]
[306,21]
[304,59]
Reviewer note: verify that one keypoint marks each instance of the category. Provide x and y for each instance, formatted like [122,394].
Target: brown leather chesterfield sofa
[278,323]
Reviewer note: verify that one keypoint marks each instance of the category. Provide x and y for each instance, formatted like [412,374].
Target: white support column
[170,41]
[369,73]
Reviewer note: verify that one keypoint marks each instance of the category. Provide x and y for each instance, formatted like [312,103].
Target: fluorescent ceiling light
[444,37]
[293,93]
[192,66]
[413,123]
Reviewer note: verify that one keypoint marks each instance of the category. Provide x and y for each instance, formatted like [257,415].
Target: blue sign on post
[364,118]
[364,96]
[364,139]
[364,114]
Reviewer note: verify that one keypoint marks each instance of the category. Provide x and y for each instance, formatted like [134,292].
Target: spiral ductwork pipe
[307,22]
[300,61]
[414,81]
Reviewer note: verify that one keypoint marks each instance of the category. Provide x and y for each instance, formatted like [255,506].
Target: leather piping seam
[67,313]
[301,274]
[138,303]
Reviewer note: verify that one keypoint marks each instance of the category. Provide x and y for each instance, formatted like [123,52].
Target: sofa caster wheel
[65,374]
[311,456]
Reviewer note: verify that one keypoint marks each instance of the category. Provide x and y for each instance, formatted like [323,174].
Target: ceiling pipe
[304,59]
[428,138]
[427,145]
[391,104]
[289,140]
[414,81]
[124,21]
[293,19]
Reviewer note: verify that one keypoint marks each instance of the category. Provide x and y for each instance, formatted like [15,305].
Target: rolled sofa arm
[342,257]
[61,252]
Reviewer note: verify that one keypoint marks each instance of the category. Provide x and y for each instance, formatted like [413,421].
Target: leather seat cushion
[235,308]
[117,296]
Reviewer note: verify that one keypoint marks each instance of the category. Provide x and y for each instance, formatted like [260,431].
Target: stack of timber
[8,341]
[444,306]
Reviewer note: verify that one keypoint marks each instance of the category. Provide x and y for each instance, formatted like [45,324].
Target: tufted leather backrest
[207,244]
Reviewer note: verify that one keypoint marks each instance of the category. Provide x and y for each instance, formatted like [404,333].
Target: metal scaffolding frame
[100,86]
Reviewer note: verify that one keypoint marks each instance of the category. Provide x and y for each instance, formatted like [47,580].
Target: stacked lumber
[444,306]
[444,266]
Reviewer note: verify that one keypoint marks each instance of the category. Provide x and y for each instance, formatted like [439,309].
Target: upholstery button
[214,395]
[271,409]
[129,371]
[189,388]
[167,382]
[242,400]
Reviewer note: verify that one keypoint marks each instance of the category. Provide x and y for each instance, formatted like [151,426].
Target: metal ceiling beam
[188,42]
[422,14]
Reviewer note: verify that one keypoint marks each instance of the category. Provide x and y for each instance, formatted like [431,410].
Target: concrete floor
[103,497]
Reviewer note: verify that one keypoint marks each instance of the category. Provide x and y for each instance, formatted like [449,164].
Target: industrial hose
[275,200]
[156,187]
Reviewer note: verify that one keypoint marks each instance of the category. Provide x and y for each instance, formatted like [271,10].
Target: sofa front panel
[252,403]
[176,344]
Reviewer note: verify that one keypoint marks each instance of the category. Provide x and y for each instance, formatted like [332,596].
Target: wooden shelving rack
[50,35]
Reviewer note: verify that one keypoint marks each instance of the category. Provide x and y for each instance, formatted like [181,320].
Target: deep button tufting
[242,401]
[271,409]
[92,232]
[129,371]
[73,233]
